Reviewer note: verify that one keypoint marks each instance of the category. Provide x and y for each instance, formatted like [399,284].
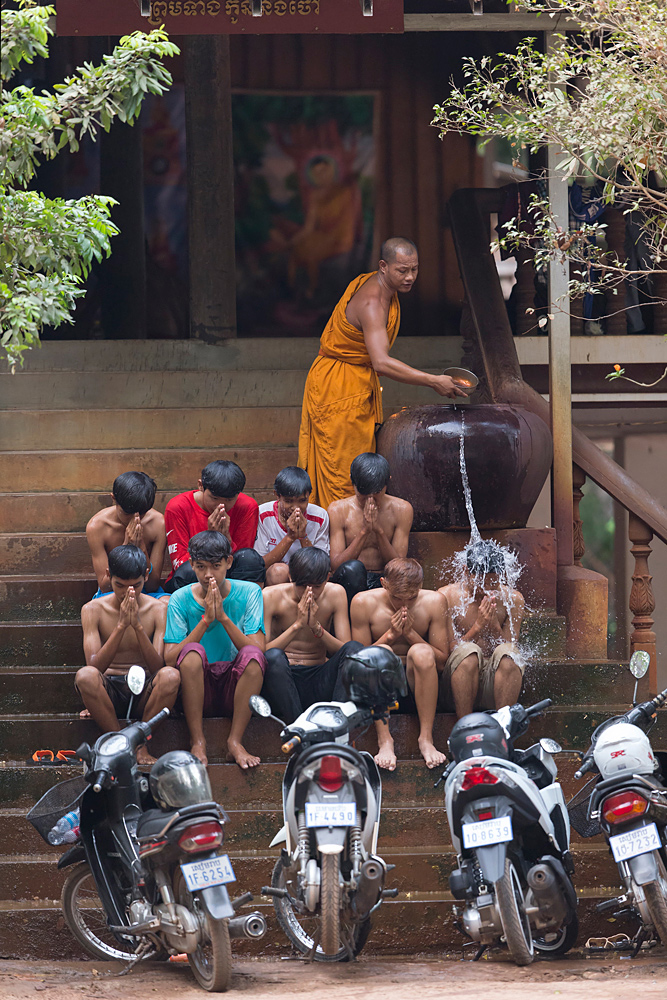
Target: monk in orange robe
[342,401]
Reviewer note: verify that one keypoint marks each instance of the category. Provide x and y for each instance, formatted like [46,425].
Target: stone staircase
[73,419]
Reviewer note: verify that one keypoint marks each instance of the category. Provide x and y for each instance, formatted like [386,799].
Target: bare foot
[144,758]
[432,756]
[241,755]
[199,751]
[385,757]
[84,714]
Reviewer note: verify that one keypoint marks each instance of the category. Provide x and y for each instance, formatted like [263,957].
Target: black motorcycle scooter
[148,878]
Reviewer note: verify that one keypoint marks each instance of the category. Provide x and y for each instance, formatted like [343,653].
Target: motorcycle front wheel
[211,963]
[655,894]
[511,906]
[87,920]
[303,929]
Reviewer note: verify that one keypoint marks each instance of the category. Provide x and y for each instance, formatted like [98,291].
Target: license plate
[212,871]
[331,814]
[634,842]
[487,831]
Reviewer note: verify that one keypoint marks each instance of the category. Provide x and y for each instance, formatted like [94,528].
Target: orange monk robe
[342,402]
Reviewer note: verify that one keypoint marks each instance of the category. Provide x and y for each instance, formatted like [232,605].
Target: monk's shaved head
[394,245]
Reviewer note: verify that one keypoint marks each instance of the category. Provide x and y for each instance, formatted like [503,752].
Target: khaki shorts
[487,670]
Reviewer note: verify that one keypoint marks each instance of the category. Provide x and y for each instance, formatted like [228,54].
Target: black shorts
[116,687]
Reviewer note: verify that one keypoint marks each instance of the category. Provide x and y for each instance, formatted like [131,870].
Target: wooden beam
[529,23]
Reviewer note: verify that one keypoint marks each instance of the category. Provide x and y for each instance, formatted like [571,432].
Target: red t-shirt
[184,518]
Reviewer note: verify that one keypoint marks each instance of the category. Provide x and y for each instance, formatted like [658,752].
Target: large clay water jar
[508,454]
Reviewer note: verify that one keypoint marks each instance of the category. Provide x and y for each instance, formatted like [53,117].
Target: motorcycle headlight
[113,744]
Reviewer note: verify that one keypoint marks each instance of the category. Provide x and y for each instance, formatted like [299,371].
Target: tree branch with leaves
[49,245]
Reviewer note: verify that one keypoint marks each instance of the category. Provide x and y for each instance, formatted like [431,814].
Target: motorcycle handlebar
[289,746]
[140,732]
[539,707]
[587,764]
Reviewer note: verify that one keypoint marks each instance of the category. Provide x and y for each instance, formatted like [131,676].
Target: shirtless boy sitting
[130,521]
[308,636]
[415,624]
[369,529]
[485,667]
[120,629]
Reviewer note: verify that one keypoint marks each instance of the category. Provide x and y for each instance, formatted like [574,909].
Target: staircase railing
[468,213]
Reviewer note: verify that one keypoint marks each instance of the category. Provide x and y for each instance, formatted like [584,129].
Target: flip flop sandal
[67,757]
[42,757]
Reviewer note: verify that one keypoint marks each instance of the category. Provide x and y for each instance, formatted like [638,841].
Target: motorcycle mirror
[639,663]
[550,746]
[260,706]
[136,679]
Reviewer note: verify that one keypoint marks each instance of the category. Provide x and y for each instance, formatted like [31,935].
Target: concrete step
[173,469]
[57,553]
[20,735]
[427,869]
[109,390]
[40,430]
[55,598]
[411,784]
[421,925]
[45,512]
[232,355]
[27,690]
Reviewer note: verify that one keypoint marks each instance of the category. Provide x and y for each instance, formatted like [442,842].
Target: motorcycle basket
[57,802]
[578,807]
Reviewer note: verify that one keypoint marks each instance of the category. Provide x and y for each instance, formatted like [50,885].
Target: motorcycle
[329,879]
[147,878]
[511,832]
[627,802]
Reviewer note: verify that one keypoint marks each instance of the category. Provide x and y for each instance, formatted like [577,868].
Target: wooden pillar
[123,274]
[208,124]
[576,310]
[642,601]
[616,323]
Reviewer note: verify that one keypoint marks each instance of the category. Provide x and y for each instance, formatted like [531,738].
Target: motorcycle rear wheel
[87,920]
[656,902]
[510,901]
[211,963]
[564,940]
[301,929]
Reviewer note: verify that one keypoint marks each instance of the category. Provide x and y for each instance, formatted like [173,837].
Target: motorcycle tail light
[485,814]
[330,777]
[623,806]
[201,837]
[477,776]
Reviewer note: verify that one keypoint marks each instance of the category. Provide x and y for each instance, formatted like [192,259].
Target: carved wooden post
[615,304]
[642,601]
[578,546]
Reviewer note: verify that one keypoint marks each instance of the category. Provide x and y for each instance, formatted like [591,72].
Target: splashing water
[512,568]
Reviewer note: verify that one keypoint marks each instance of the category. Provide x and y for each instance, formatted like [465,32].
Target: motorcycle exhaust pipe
[547,892]
[249,925]
[371,880]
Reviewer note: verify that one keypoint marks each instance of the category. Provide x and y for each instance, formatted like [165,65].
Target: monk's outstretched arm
[377,344]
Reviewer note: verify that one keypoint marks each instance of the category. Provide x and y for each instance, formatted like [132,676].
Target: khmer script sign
[228,17]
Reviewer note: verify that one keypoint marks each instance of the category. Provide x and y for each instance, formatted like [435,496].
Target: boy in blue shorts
[215,635]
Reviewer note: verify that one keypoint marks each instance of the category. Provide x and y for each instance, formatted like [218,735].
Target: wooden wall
[416,171]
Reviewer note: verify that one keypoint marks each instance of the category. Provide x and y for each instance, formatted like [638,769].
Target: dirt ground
[371,979]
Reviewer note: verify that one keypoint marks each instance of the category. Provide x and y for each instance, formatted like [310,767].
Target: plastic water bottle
[66,830]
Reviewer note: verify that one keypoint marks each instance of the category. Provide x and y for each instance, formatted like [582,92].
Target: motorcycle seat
[152,823]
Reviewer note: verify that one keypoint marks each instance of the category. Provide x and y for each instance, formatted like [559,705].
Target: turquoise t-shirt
[243,604]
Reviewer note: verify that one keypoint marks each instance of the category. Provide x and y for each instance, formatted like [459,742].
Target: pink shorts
[220,679]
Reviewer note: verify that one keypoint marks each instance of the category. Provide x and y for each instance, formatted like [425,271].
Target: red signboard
[228,17]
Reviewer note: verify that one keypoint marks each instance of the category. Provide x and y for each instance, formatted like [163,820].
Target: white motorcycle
[329,879]
[511,832]
[627,802]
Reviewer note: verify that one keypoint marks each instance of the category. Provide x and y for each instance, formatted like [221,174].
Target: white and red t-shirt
[270,531]
[184,518]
